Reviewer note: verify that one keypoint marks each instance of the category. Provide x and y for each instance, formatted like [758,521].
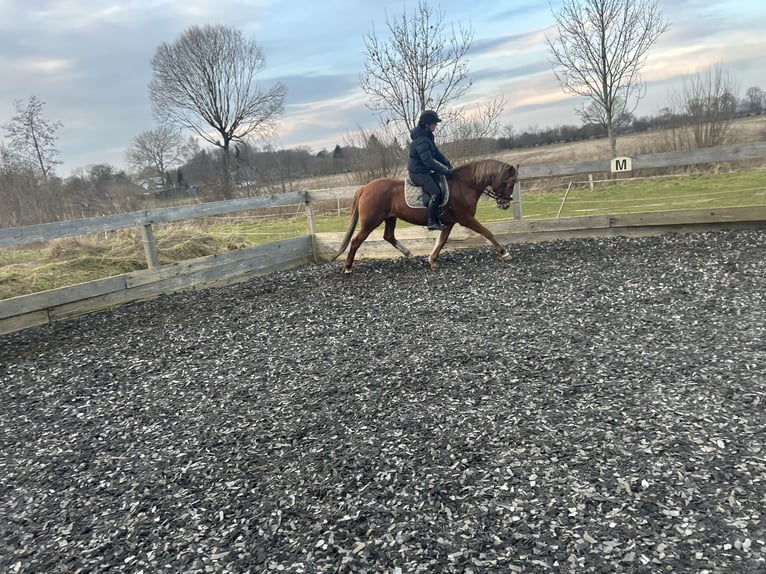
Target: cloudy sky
[89,61]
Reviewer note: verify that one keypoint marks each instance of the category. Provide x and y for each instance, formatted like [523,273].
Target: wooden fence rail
[39,308]
[48,231]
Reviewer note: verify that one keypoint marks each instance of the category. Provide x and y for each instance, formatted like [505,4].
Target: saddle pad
[413,194]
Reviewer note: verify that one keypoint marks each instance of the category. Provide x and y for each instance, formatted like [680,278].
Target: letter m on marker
[622,164]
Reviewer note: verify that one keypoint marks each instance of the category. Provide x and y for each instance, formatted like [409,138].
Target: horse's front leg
[473,224]
[388,235]
[433,258]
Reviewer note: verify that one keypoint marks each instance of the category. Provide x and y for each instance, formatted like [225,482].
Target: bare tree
[205,81]
[755,98]
[158,149]
[420,66]
[472,133]
[379,154]
[706,108]
[18,184]
[32,137]
[190,148]
[594,114]
[598,51]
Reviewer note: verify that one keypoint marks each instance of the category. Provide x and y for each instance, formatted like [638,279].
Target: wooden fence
[39,308]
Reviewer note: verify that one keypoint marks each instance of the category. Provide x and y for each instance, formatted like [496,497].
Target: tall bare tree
[471,133]
[598,51]
[377,153]
[32,137]
[158,149]
[755,99]
[205,81]
[706,107]
[421,65]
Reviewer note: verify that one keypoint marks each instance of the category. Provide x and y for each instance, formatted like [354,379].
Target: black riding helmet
[428,117]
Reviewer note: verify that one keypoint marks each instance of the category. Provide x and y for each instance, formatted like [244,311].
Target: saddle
[416,197]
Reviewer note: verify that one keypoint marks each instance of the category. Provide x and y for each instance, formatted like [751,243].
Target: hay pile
[593,406]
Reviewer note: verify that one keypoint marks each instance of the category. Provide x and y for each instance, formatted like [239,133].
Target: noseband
[500,194]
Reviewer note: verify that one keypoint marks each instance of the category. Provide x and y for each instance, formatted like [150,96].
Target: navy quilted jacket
[425,157]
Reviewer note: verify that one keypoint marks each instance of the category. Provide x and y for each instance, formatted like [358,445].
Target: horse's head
[501,187]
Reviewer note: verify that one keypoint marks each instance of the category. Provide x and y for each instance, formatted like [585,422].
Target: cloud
[325,123]
[37,65]
[312,88]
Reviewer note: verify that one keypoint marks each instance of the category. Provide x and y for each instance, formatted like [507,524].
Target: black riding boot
[434,217]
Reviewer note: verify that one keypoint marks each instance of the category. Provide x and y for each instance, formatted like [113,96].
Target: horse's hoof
[506,256]
[347,271]
[434,264]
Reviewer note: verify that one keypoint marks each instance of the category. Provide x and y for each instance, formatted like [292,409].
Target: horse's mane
[485,171]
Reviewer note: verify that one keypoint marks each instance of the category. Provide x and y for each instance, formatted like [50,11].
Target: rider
[425,164]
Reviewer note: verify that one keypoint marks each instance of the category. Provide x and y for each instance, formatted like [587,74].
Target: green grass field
[731,189]
[75,260]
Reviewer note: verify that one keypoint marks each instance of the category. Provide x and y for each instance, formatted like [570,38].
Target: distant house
[153,185]
[158,187]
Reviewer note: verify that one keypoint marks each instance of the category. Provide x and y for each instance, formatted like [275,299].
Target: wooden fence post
[563,199]
[517,211]
[312,225]
[150,246]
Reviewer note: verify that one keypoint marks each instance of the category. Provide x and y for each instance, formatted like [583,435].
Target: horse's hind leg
[356,243]
[388,235]
[433,258]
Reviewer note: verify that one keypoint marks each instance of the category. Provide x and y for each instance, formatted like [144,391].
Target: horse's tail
[351,224]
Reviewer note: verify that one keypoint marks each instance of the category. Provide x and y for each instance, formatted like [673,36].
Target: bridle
[502,193]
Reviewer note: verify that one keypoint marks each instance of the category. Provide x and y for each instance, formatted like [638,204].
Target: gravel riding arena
[594,405]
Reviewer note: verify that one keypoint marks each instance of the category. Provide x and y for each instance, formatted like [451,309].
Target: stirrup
[435,226]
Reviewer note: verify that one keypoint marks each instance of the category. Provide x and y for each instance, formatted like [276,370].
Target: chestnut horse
[383,200]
